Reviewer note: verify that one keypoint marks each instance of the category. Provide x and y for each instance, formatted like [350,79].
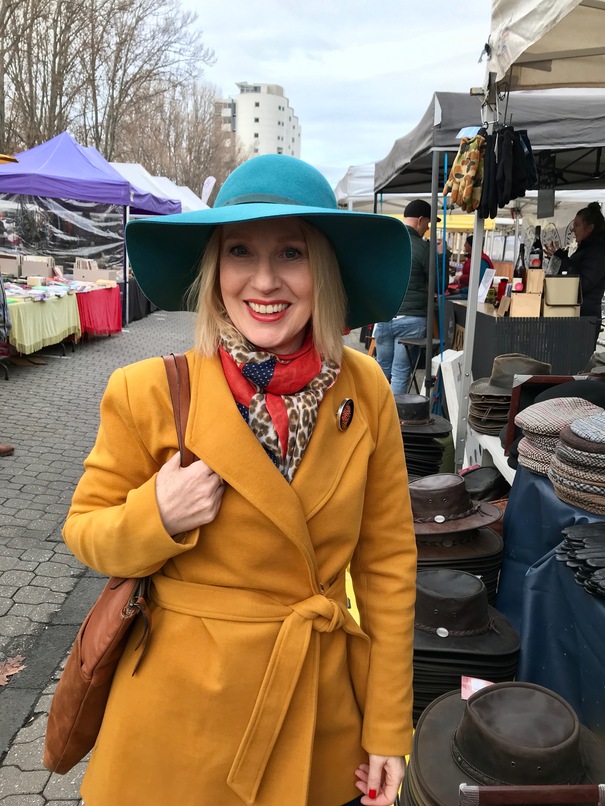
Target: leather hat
[510,733]
[504,369]
[441,503]
[453,615]
[415,416]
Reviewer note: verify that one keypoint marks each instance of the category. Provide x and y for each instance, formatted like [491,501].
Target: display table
[533,522]
[562,646]
[566,343]
[41,324]
[100,311]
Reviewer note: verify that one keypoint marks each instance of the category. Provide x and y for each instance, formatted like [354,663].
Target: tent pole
[125,217]
[490,117]
[430,306]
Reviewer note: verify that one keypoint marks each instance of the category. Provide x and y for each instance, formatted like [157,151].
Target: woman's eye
[292,253]
[238,251]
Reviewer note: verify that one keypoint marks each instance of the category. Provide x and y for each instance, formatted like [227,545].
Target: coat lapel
[218,434]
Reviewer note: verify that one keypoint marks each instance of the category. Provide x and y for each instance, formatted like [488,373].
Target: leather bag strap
[177,371]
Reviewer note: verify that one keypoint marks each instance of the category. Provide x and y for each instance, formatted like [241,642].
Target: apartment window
[257,103]
[256,150]
[280,150]
[256,134]
[256,120]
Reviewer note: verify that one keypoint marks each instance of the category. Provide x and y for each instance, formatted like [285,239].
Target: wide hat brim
[501,639]
[373,252]
[483,516]
[437,773]
[438,425]
[484,387]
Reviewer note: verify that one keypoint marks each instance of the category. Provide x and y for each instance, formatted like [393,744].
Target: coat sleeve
[114,524]
[383,569]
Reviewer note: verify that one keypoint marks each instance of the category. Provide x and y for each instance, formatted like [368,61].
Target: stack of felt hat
[490,397]
[584,550]
[577,470]
[508,734]
[457,633]
[422,434]
[452,530]
[541,425]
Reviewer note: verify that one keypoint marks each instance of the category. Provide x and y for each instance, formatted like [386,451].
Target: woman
[589,258]
[258,687]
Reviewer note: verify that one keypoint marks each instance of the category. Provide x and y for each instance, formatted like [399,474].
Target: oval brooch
[345,414]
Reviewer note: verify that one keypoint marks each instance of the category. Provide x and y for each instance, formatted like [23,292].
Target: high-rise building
[262,119]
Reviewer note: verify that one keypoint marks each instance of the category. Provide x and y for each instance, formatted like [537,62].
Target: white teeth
[268,308]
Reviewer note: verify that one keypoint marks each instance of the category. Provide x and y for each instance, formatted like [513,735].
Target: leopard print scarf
[278,396]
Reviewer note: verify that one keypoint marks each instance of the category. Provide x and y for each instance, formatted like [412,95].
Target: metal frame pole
[429,381]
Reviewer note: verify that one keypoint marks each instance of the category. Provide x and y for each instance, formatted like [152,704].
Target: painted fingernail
[372,794]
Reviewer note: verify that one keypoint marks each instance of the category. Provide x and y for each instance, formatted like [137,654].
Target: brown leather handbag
[79,702]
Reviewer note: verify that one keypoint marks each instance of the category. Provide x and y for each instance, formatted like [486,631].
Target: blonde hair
[329,299]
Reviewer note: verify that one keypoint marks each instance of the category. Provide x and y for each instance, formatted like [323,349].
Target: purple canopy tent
[63,169]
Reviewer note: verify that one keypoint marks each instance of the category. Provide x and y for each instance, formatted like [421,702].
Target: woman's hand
[380,779]
[187,497]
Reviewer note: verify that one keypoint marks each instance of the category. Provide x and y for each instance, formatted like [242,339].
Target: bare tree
[8,9]
[136,50]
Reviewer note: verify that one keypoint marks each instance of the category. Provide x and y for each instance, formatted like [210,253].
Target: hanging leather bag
[79,702]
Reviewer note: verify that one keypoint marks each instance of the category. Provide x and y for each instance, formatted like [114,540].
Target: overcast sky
[358,73]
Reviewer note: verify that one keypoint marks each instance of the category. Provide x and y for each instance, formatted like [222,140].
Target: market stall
[41,324]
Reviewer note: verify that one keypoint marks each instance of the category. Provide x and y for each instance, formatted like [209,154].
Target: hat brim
[484,387]
[487,543]
[437,773]
[373,252]
[501,639]
[485,514]
[438,425]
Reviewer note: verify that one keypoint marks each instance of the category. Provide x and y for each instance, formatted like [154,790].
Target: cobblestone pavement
[50,414]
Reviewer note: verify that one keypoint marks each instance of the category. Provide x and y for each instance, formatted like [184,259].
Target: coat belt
[325,612]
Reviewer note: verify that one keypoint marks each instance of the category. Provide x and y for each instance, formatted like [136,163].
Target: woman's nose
[265,276]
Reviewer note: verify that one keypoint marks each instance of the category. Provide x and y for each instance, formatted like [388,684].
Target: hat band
[260,198]
[444,518]
[417,422]
[484,778]
[457,633]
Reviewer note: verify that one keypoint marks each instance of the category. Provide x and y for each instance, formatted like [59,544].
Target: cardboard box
[37,266]
[560,310]
[562,299]
[562,290]
[534,281]
[10,265]
[92,275]
[522,304]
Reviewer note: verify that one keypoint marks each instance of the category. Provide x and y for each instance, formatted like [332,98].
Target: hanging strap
[177,371]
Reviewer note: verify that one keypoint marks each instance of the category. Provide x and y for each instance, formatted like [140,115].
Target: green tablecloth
[40,324]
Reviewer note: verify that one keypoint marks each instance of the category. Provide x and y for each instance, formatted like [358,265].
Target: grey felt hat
[504,369]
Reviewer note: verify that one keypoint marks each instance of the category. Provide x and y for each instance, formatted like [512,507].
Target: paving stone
[12,564]
[23,800]
[26,755]
[60,787]
[37,555]
[35,595]
[18,578]
[40,613]
[5,605]
[6,552]
[13,782]
[16,625]
[55,583]
[53,569]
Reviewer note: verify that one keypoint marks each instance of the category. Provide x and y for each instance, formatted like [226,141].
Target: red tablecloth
[100,311]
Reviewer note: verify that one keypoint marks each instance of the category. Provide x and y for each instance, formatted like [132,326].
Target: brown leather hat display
[415,416]
[504,369]
[441,503]
[508,734]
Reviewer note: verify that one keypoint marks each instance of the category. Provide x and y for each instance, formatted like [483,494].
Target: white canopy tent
[159,185]
[548,44]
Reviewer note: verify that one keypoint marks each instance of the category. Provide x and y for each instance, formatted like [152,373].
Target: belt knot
[326,614]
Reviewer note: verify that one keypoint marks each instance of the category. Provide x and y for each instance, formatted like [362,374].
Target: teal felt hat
[373,251]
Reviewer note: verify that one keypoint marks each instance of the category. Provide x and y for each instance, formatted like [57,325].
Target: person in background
[410,321]
[589,258]
[486,263]
[258,686]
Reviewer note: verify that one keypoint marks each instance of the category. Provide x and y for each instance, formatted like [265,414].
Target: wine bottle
[519,270]
[536,253]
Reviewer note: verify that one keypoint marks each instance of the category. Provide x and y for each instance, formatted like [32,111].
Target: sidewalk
[50,414]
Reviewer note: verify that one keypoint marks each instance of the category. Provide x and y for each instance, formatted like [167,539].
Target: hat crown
[454,600]
[277,179]
[442,495]
[413,408]
[506,366]
[519,734]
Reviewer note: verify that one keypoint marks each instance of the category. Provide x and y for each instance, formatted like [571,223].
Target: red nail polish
[372,794]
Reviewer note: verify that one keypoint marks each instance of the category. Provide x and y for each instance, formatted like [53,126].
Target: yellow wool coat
[258,687]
